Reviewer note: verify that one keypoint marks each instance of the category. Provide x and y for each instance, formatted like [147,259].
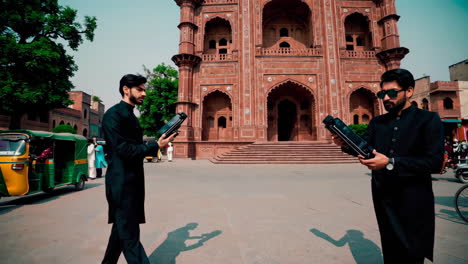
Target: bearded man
[125,183]
[409,146]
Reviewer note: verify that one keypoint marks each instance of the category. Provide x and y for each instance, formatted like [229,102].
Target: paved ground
[198,212]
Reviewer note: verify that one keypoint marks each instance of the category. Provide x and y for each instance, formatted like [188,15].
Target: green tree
[34,66]
[360,129]
[97,99]
[161,94]
[64,129]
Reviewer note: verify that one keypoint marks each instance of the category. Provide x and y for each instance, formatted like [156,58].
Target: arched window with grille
[357,32]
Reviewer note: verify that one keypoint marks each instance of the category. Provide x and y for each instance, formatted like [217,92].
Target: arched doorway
[291,113]
[286,120]
[217,117]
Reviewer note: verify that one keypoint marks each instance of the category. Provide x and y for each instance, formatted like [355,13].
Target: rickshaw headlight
[17,166]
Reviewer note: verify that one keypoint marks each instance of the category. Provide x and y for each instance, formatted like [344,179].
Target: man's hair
[403,77]
[131,80]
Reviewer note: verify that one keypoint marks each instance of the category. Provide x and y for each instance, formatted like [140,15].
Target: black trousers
[125,237]
[98,172]
[393,249]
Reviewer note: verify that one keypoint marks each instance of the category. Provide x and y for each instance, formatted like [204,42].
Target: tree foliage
[34,66]
[96,99]
[64,129]
[360,129]
[161,94]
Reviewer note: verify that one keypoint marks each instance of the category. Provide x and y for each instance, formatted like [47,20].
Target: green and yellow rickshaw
[36,161]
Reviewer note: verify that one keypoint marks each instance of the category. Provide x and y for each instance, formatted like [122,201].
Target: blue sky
[144,32]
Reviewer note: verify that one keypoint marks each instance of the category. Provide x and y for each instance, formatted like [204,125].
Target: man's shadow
[450,215]
[363,250]
[174,244]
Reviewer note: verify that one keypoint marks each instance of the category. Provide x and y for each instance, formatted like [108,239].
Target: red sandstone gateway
[270,70]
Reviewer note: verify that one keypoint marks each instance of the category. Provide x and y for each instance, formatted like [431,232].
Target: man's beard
[134,100]
[395,107]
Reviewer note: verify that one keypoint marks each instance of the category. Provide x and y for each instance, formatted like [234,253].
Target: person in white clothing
[170,149]
[91,160]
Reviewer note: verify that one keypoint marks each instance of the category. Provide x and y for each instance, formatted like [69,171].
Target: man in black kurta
[125,185]
[409,146]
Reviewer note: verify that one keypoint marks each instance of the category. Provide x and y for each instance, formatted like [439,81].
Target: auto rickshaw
[148,140]
[35,161]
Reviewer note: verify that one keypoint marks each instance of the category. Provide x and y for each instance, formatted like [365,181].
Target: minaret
[186,61]
[391,54]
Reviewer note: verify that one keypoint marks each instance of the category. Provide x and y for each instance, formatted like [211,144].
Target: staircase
[285,153]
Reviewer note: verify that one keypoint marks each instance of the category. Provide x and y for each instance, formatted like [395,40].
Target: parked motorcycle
[461,170]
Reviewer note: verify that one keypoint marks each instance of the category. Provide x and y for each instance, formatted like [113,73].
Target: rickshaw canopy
[81,141]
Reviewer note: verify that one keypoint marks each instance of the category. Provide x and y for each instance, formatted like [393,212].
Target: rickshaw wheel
[80,185]
[463,178]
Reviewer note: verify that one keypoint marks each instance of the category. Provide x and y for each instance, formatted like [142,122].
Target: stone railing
[288,52]
[210,2]
[366,54]
[219,57]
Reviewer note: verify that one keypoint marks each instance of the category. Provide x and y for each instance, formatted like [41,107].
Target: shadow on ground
[42,197]
[455,180]
[364,251]
[175,243]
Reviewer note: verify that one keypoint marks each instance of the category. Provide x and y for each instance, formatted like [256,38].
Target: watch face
[389,166]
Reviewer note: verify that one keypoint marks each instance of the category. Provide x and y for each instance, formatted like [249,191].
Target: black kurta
[125,185]
[403,197]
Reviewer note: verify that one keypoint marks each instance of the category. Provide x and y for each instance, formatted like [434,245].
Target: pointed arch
[216,90]
[277,85]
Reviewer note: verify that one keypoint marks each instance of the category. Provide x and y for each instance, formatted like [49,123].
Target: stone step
[285,153]
[281,162]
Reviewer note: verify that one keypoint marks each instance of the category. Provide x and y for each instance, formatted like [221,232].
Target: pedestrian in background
[100,160]
[170,150]
[91,160]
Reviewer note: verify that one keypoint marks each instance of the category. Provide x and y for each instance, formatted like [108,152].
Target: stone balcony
[308,52]
[219,57]
[358,54]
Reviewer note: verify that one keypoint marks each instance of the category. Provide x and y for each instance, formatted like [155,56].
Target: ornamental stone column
[186,61]
[391,54]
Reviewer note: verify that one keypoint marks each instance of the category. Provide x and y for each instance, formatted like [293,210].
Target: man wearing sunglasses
[409,146]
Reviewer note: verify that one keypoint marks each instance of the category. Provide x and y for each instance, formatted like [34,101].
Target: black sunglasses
[392,93]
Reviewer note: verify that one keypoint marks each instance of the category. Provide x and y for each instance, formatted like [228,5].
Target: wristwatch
[390,164]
